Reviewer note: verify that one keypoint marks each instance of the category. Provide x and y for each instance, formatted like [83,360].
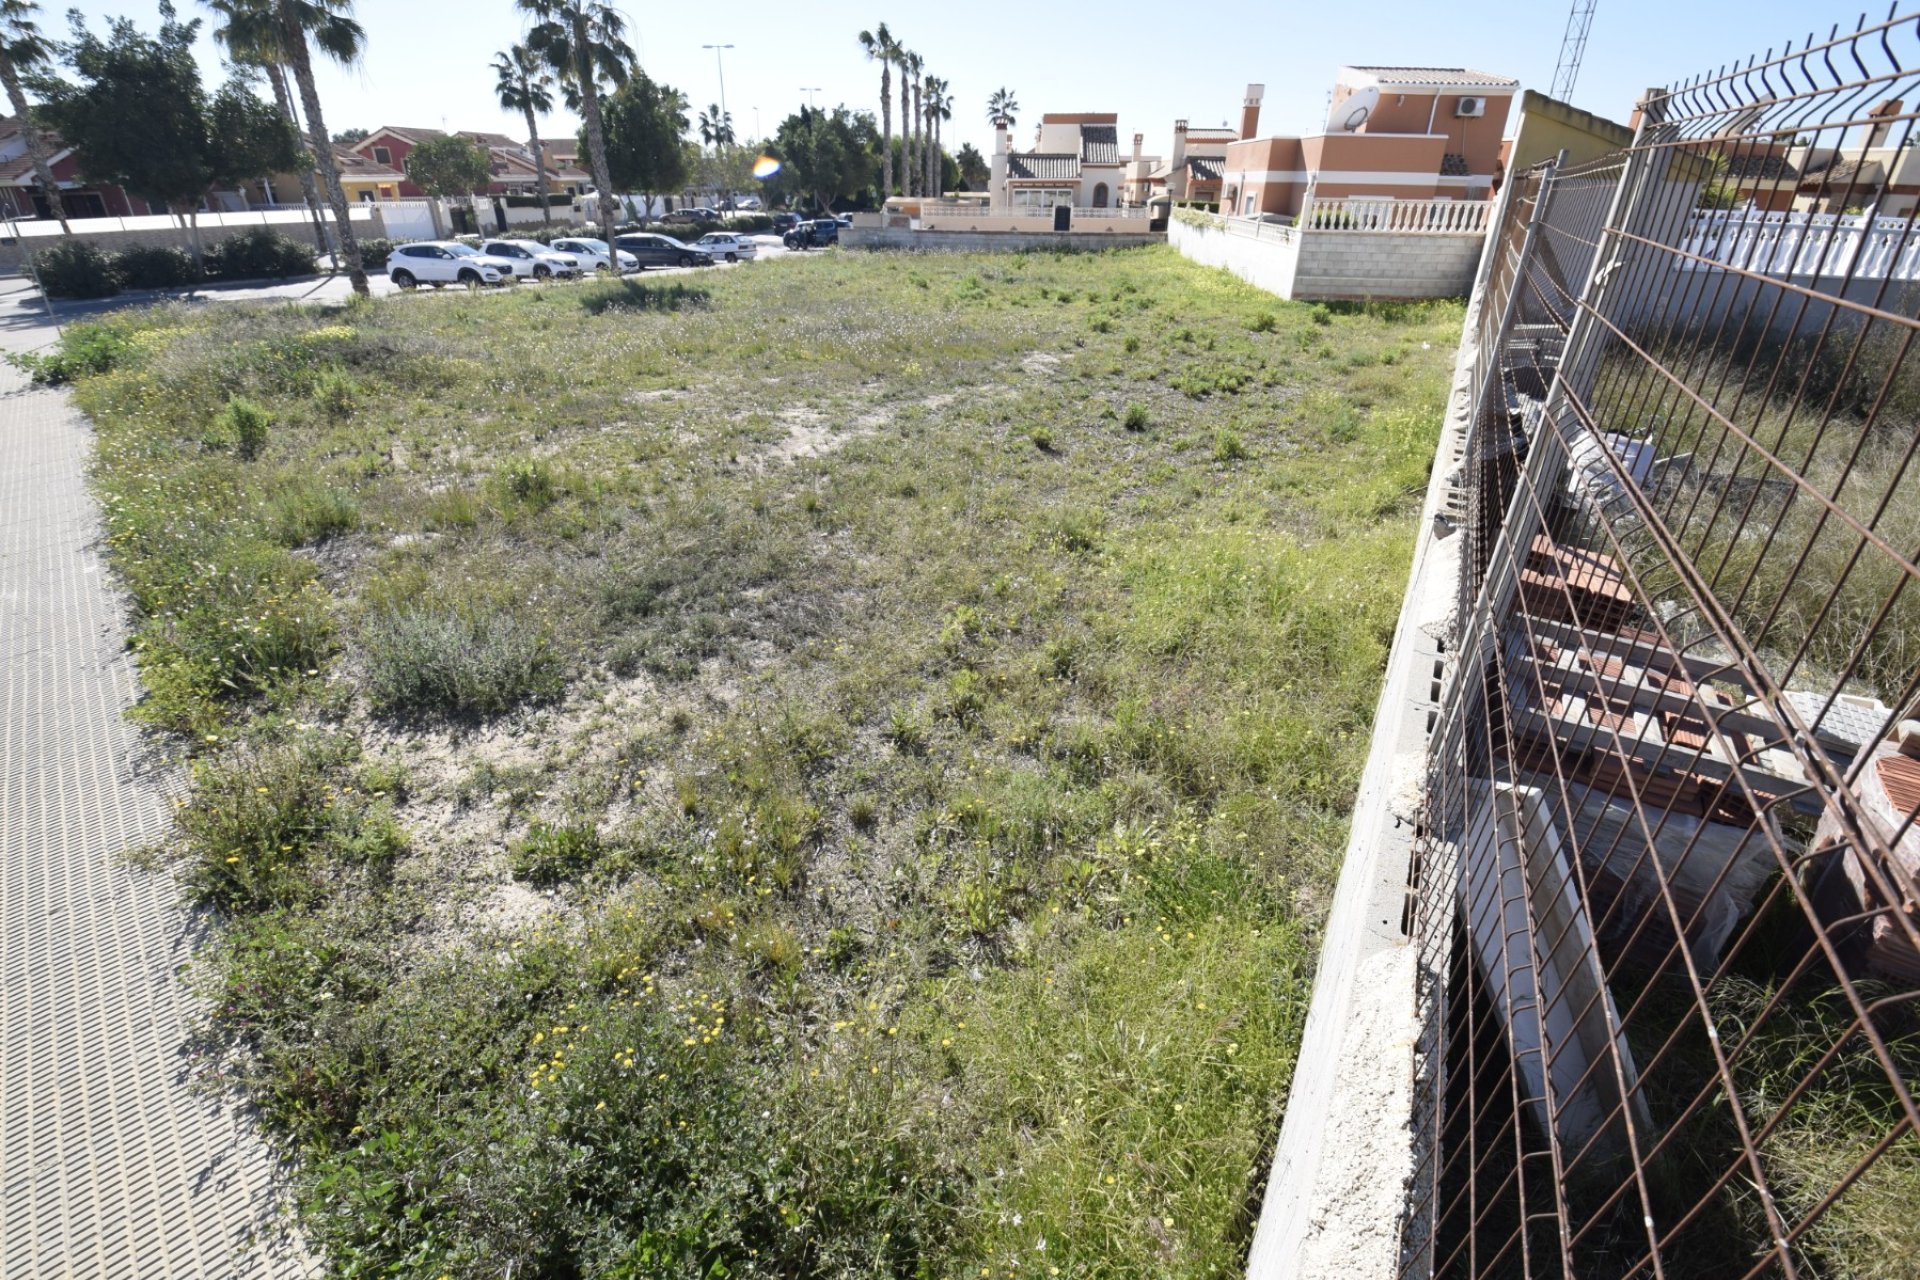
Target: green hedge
[78,269]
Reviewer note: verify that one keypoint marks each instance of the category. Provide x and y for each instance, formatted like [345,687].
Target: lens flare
[765,167]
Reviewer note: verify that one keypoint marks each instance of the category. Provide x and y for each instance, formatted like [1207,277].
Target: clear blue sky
[426,61]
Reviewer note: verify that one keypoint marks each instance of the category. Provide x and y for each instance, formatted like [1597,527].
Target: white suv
[724,246]
[592,255]
[531,259]
[444,262]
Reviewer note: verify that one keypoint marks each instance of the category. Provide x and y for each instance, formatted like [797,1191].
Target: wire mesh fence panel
[1668,891]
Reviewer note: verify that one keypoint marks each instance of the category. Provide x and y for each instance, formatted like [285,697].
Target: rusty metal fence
[1665,893]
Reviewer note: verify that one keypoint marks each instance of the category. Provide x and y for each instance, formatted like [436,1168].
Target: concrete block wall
[859,237]
[1367,264]
[1338,265]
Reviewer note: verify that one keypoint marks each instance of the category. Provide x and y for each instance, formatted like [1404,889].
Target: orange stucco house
[1399,133]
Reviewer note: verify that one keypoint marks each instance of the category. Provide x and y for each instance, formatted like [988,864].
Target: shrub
[243,424]
[1228,447]
[548,853]
[1136,419]
[335,393]
[153,266]
[375,251]
[84,349]
[1265,322]
[259,253]
[76,269]
[472,662]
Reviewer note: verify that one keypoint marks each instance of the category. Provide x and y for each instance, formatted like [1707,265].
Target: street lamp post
[809,92]
[721,67]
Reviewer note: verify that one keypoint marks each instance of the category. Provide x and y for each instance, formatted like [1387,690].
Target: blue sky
[426,63]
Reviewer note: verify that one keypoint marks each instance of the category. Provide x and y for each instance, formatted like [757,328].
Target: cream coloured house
[1075,161]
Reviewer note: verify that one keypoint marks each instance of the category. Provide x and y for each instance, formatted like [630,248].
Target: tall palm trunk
[906,137]
[309,191]
[886,132]
[539,164]
[919,138]
[10,75]
[596,129]
[935,169]
[294,37]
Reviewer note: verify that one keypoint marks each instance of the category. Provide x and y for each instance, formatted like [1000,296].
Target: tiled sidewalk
[110,1163]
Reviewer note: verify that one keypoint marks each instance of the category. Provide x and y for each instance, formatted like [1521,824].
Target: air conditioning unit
[1470,107]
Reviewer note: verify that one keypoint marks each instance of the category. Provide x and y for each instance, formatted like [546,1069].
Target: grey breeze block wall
[1371,264]
[993,241]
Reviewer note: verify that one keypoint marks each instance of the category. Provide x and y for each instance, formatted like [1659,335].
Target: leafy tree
[584,41]
[139,118]
[938,107]
[347,137]
[975,173]
[524,83]
[824,156]
[327,25]
[250,30]
[24,49]
[645,148]
[1001,108]
[450,165]
[728,171]
[881,47]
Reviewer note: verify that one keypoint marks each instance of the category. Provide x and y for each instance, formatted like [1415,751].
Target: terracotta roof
[1838,176]
[1099,144]
[1761,168]
[1450,77]
[362,168]
[1035,164]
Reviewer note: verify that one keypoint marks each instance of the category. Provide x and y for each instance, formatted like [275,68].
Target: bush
[243,424]
[548,854]
[473,662]
[258,253]
[84,349]
[76,269]
[154,266]
[374,252]
[1136,419]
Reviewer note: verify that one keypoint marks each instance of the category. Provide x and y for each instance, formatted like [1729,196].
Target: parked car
[653,250]
[593,255]
[531,259]
[443,262]
[844,219]
[785,221]
[816,233]
[727,246]
[699,214]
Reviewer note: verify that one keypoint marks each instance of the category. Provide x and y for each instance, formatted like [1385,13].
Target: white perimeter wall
[1333,265]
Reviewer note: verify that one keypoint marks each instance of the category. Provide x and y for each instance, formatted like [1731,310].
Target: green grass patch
[833,772]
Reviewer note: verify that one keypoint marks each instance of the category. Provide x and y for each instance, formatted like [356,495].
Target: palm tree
[939,108]
[584,41]
[22,47]
[525,85]
[716,127]
[881,47]
[1001,108]
[906,59]
[919,120]
[251,32]
[327,24]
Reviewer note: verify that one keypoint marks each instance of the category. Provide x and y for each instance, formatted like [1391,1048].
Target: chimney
[1250,111]
[1138,138]
[997,179]
[1883,117]
[1177,167]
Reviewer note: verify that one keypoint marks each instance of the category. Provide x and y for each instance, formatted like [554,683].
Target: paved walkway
[111,1164]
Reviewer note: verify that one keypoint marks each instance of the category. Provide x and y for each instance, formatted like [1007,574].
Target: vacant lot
[829,770]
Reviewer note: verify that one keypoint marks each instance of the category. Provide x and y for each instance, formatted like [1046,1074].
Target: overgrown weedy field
[832,768]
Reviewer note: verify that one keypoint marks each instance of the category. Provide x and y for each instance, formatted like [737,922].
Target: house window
[1099,195]
[384,156]
[386,193]
[1249,209]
